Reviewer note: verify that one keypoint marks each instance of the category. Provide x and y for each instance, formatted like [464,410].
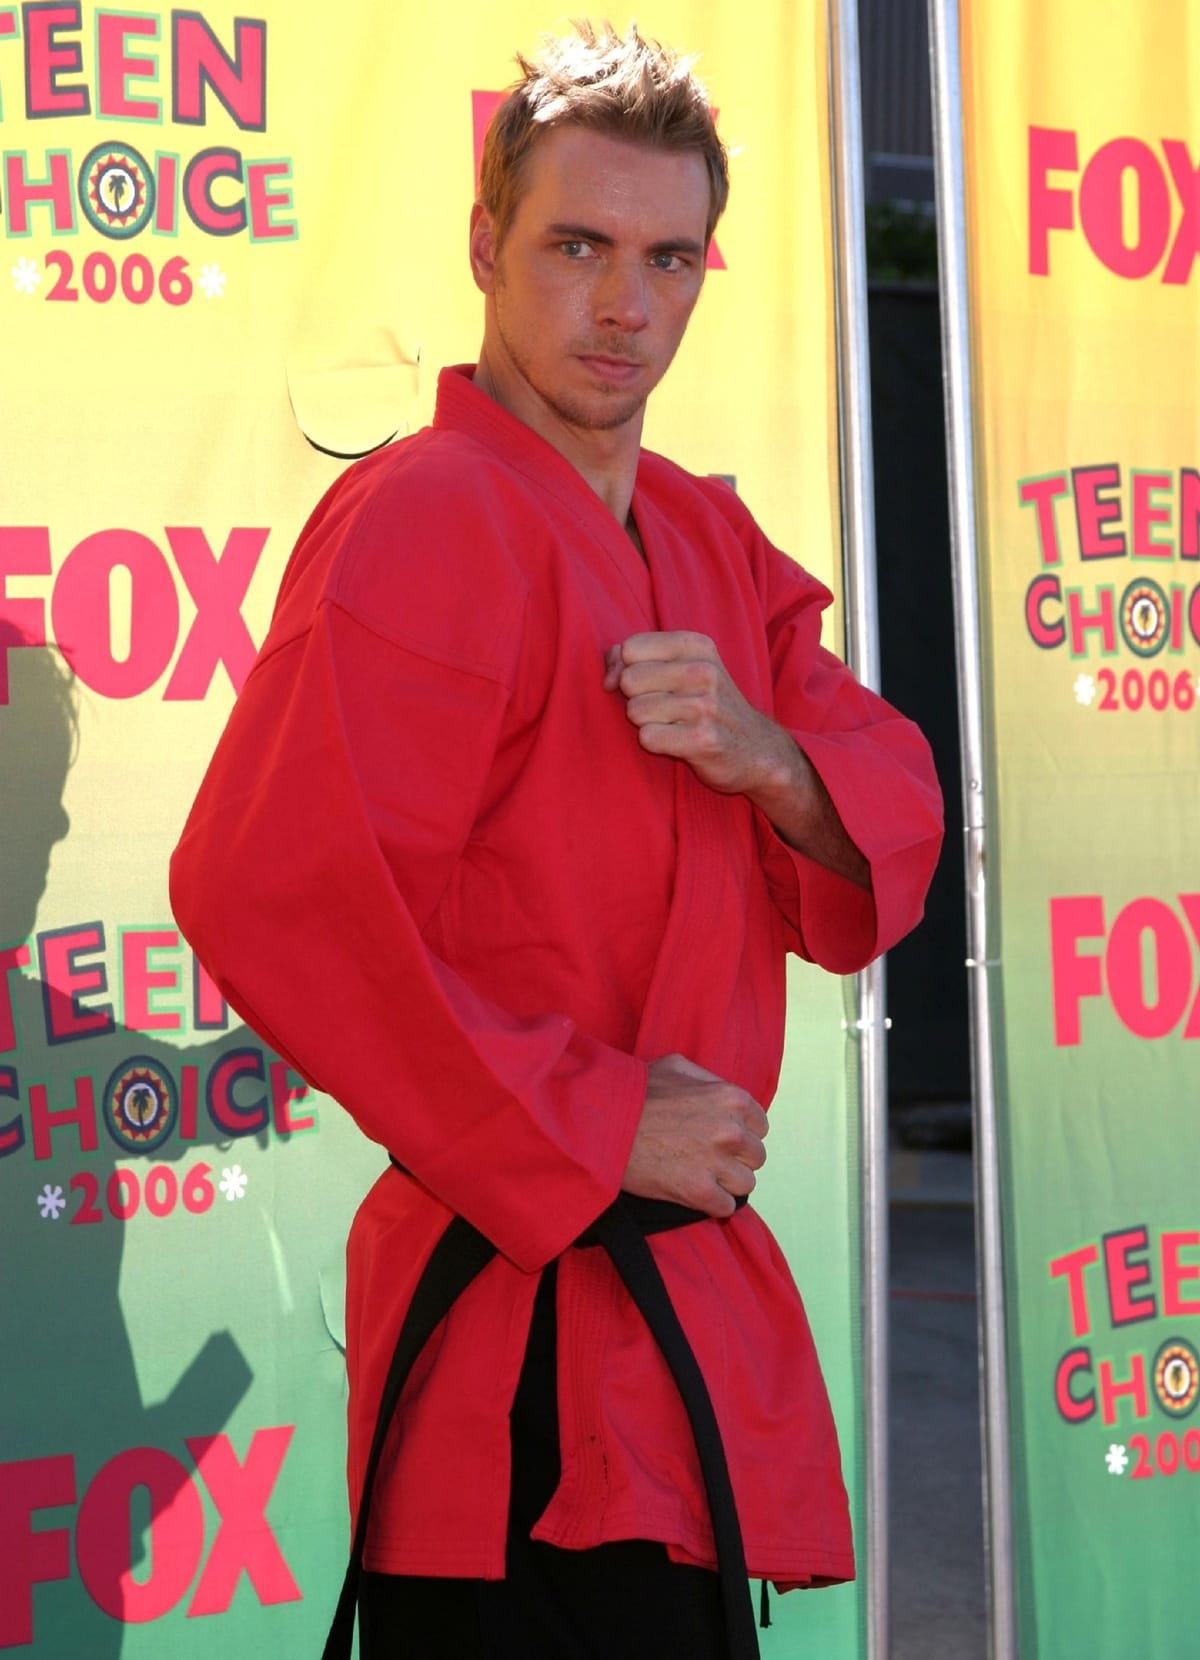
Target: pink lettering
[266,204]
[46,61]
[139,981]
[45,1119]
[81,610]
[1146,486]
[31,1558]
[1123,962]
[1186,178]
[226,1112]
[1075,975]
[117,66]
[102,1535]
[217,584]
[201,62]
[24,551]
[1134,1387]
[1094,509]
[1100,207]
[1043,590]
[1041,494]
[1051,150]
[1125,1274]
[67,982]
[245,1542]
[1071,1268]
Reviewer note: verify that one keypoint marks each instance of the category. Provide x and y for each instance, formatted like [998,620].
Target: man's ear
[483,249]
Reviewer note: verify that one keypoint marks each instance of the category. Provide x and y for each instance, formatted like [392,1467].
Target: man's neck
[606,459]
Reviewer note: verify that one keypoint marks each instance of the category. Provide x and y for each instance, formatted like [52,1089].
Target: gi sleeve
[879,772]
[875,764]
[329,822]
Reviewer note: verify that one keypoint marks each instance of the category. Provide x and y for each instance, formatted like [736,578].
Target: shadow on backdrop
[72,1402]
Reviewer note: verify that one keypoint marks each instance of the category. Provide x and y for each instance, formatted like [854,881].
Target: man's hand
[699,1141]
[680,696]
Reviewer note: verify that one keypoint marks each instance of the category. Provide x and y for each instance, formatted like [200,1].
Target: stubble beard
[606,416]
[608,408]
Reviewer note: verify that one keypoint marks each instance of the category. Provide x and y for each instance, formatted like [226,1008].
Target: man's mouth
[608,367]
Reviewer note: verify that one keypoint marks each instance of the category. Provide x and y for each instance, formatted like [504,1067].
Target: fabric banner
[236,256]
[1082,146]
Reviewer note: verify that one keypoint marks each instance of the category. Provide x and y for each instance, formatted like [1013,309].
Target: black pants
[622,1601]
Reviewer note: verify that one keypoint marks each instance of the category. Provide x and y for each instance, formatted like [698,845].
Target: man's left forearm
[794,798]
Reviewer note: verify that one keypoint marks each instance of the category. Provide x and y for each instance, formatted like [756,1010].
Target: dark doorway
[929,1048]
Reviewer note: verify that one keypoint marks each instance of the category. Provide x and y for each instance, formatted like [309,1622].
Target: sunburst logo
[1144,617]
[1177,1377]
[140,1105]
[116,189]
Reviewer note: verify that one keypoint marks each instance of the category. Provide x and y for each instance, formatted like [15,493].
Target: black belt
[459,1256]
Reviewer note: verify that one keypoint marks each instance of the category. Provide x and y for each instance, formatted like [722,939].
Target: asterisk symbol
[1116,1458]
[1085,689]
[233,1182]
[51,1202]
[26,275]
[211,281]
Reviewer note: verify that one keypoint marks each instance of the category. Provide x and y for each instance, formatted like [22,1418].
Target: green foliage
[901,242]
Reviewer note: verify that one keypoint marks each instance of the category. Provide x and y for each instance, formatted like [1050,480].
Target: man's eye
[666,262]
[575,249]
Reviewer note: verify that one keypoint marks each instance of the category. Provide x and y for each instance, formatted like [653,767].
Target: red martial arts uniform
[432,866]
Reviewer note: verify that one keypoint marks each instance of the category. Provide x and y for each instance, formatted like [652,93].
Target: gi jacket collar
[462,407]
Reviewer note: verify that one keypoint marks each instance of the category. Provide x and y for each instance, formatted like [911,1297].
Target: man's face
[593,286]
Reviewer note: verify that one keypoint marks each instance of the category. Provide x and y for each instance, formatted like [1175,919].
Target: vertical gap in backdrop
[952,244]
[862,634]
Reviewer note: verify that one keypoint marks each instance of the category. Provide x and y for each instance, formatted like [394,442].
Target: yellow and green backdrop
[1082,133]
[234,253]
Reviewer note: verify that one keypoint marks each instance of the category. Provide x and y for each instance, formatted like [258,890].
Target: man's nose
[621,299]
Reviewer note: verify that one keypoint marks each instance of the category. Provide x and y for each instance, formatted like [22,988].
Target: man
[539,774]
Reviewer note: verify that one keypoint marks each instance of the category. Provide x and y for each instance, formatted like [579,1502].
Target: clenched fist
[699,1140]
[682,700]
[684,703]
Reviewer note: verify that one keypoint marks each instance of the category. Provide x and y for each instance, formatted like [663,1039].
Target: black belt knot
[459,1256]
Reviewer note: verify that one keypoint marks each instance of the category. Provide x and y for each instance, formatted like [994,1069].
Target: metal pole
[862,633]
[952,251]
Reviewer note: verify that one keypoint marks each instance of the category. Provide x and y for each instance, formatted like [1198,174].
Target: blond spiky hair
[622,85]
